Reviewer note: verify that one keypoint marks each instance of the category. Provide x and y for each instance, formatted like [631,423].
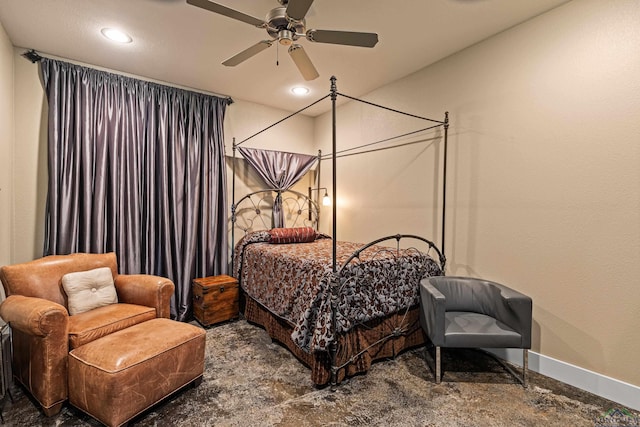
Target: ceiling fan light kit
[285,37]
[286,24]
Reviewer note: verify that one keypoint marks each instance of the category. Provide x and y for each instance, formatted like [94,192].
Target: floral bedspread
[296,282]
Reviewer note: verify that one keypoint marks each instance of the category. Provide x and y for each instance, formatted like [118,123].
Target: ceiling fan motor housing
[281,28]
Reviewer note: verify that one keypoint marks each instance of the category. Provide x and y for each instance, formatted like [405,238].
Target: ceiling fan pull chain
[277,54]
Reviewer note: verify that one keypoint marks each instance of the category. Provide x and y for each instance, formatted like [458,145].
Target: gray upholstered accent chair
[465,312]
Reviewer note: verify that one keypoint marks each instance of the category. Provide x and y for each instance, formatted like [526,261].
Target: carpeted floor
[251,381]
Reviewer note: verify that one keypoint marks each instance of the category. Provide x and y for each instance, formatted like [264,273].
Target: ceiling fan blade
[228,12]
[297,9]
[349,38]
[302,61]
[248,53]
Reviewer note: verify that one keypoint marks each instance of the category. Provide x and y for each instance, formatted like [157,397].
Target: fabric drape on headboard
[136,168]
[281,170]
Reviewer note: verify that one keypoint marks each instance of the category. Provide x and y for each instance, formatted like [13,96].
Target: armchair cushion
[102,321]
[467,329]
[90,289]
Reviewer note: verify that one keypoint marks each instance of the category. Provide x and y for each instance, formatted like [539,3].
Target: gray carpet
[251,381]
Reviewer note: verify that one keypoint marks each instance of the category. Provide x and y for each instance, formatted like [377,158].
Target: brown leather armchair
[44,332]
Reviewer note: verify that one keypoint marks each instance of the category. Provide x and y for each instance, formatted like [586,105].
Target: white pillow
[91,289]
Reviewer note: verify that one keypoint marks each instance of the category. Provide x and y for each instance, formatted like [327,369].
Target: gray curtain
[136,168]
[280,170]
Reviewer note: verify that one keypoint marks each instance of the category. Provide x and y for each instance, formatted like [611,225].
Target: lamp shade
[326,200]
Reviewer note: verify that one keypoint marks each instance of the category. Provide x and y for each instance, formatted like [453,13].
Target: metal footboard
[355,273]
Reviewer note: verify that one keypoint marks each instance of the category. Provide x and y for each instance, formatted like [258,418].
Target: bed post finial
[334,89]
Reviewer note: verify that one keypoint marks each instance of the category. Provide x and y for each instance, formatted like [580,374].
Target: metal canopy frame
[333,94]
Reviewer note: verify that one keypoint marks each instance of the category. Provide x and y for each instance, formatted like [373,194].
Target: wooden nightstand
[215,299]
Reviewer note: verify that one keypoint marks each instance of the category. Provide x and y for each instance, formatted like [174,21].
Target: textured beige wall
[30,168]
[544,174]
[6,146]
[244,119]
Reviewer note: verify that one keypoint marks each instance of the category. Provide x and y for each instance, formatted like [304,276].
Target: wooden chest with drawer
[215,299]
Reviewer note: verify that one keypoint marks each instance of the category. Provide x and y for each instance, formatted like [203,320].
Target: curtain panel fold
[136,168]
[280,170]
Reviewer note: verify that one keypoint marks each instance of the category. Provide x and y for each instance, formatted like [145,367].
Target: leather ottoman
[116,377]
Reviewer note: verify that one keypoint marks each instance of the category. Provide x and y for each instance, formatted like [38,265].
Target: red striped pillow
[292,235]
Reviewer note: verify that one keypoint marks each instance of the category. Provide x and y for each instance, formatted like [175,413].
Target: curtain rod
[34,57]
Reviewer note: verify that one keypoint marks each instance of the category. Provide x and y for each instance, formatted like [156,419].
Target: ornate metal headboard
[253,212]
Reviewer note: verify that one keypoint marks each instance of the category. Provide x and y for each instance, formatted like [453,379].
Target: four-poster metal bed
[345,304]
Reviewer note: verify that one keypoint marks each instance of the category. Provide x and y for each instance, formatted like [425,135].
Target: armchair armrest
[432,312]
[35,316]
[147,290]
[40,332]
[516,312]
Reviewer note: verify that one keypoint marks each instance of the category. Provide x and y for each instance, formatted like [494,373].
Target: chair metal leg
[525,366]
[522,379]
[438,370]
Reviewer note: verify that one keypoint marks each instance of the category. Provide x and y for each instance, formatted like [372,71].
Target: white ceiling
[184,45]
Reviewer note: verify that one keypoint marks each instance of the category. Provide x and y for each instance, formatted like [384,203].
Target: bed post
[444,177]
[334,93]
[333,348]
[233,200]
[318,186]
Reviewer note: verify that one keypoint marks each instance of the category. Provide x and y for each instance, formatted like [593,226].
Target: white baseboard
[618,391]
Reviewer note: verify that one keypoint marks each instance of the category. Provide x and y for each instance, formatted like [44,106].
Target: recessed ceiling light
[116,35]
[300,90]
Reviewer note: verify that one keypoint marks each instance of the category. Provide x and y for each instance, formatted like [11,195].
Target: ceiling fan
[286,24]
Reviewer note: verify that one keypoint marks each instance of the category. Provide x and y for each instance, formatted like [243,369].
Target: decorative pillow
[292,235]
[91,289]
